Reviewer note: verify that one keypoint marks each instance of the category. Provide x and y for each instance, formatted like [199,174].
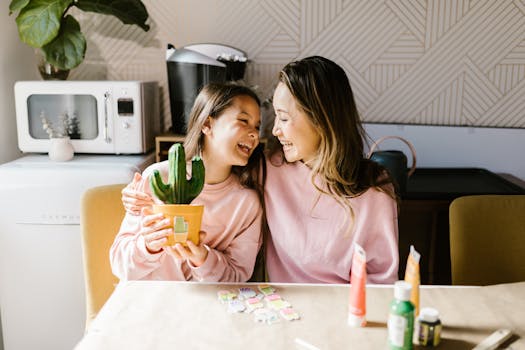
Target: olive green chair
[487,239]
[100,218]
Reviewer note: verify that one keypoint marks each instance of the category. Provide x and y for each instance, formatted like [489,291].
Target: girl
[321,195]
[224,131]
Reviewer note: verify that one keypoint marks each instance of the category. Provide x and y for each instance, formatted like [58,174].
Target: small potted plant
[60,148]
[177,195]
[47,26]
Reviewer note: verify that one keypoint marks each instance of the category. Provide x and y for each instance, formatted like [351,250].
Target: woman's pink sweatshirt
[231,220]
[309,240]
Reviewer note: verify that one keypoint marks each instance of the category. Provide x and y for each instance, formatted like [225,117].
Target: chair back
[101,216]
[487,239]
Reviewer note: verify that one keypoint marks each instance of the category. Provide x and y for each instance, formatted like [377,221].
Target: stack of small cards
[265,304]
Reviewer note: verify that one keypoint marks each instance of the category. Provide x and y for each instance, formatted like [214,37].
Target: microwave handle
[106,118]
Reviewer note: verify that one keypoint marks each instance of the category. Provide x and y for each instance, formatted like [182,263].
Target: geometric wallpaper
[431,62]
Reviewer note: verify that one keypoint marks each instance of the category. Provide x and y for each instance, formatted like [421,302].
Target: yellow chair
[487,239]
[101,215]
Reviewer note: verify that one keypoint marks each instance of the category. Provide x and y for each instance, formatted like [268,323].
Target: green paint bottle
[401,318]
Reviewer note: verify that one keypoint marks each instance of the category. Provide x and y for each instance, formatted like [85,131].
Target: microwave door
[72,115]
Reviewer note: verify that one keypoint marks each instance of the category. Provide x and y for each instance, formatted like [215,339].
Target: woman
[321,195]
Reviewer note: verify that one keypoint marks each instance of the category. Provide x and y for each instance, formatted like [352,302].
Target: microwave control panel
[125,107]
[128,120]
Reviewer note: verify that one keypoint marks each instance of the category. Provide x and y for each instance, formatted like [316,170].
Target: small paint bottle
[401,318]
[429,333]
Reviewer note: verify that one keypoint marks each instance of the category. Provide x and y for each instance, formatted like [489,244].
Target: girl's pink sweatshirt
[231,220]
[309,240]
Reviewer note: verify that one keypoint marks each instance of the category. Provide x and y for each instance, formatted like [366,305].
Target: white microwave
[117,117]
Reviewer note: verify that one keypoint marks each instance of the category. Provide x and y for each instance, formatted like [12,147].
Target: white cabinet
[42,298]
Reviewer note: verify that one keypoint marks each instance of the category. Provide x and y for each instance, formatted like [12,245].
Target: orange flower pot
[185,219]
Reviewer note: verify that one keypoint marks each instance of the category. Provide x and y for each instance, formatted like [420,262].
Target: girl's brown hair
[212,101]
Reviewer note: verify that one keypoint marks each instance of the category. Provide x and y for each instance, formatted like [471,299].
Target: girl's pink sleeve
[236,262]
[128,255]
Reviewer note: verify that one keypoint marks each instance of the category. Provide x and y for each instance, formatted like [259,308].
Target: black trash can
[188,72]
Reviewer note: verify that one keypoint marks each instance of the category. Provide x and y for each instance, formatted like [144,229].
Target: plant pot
[47,70]
[185,219]
[61,149]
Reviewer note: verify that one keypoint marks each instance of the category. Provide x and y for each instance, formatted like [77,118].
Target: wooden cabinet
[424,224]
[163,144]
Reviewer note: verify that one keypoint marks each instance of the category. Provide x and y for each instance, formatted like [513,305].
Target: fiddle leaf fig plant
[179,190]
[46,25]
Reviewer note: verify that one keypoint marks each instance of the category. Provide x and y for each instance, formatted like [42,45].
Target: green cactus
[179,190]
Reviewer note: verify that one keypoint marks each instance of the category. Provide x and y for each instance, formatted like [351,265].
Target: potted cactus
[177,195]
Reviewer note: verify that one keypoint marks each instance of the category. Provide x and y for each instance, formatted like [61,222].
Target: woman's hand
[133,199]
[154,230]
[196,254]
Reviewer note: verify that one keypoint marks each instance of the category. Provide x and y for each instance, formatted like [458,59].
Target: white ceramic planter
[61,149]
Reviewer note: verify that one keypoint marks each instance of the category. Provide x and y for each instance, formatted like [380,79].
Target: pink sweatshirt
[231,220]
[309,241]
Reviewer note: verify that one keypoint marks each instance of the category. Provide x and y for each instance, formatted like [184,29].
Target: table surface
[184,315]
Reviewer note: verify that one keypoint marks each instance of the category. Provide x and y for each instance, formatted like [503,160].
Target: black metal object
[450,183]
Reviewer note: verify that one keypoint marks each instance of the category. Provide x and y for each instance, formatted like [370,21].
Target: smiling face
[293,128]
[231,138]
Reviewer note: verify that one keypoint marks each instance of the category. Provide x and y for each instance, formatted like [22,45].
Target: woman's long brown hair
[322,91]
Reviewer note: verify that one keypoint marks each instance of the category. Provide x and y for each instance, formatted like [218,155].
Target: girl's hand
[154,230]
[133,199]
[196,254]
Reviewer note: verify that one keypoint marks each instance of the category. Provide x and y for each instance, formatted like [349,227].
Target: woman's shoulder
[376,197]
[376,192]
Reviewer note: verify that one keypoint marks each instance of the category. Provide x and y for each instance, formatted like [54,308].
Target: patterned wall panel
[434,62]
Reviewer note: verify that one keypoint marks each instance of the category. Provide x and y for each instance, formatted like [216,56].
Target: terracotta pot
[185,219]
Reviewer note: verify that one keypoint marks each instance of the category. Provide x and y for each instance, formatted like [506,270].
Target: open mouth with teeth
[286,145]
[245,148]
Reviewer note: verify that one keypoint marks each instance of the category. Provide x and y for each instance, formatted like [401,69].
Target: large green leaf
[128,11]
[39,21]
[69,48]
[17,5]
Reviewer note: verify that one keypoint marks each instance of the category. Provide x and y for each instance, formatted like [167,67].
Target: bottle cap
[402,290]
[356,321]
[428,314]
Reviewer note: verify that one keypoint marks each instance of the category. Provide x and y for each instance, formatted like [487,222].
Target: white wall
[496,149]
[17,62]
